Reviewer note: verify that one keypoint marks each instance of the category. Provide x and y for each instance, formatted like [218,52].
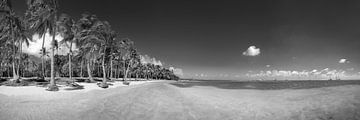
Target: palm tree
[126,56]
[114,46]
[90,42]
[130,57]
[68,30]
[12,29]
[106,35]
[42,16]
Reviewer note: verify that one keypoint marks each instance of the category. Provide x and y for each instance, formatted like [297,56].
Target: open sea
[265,85]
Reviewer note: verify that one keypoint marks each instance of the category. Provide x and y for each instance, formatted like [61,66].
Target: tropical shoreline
[162,100]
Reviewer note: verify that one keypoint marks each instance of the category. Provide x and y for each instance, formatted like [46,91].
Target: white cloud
[267,65]
[324,74]
[343,61]
[145,59]
[178,71]
[252,51]
[35,45]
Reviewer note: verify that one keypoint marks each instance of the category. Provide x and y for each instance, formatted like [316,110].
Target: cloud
[35,45]
[177,71]
[145,59]
[267,65]
[324,74]
[252,51]
[343,61]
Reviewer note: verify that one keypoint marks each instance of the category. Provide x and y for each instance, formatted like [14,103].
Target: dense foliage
[99,50]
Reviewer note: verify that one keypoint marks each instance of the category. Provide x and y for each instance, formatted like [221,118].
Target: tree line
[100,51]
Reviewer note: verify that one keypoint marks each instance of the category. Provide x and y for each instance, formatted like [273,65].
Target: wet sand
[164,101]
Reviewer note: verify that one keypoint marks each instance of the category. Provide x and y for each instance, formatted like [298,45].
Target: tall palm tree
[89,43]
[106,35]
[114,46]
[101,35]
[68,29]
[42,16]
[12,29]
[130,57]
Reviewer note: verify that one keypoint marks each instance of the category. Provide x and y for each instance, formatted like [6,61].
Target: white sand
[40,91]
[161,101]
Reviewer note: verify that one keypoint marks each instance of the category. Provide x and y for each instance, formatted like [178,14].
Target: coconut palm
[68,29]
[129,54]
[87,47]
[12,30]
[115,46]
[106,35]
[41,17]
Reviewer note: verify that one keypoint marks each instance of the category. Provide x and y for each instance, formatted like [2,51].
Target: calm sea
[265,85]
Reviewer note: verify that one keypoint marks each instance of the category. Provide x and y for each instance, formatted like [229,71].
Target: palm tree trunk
[89,72]
[15,77]
[20,52]
[111,67]
[52,75]
[127,70]
[52,86]
[103,69]
[124,71]
[116,69]
[70,71]
[81,69]
[136,76]
[8,71]
[42,58]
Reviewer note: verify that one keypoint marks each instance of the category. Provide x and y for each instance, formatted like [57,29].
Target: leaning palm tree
[67,29]
[114,45]
[104,34]
[99,35]
[42,16]
[88,43]
[12,31]
[130,57]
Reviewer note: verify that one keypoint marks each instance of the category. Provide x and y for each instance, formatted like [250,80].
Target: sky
[247,39]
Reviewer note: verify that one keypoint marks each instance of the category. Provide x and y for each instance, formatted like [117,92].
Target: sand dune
[162,101]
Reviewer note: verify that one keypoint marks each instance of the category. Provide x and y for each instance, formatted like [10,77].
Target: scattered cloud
[343,61]
[35,45]
[304,74]
[252,51]
[145,59]
[177,71]
[268,65]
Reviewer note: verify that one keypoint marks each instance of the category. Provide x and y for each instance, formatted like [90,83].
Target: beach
[163,101]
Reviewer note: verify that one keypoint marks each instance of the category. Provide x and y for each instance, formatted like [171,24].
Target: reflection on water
[265,85]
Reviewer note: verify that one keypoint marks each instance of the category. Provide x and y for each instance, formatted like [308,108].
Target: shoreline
[159,100]
[40,91]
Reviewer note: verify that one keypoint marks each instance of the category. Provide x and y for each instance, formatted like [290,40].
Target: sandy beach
[163,101]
